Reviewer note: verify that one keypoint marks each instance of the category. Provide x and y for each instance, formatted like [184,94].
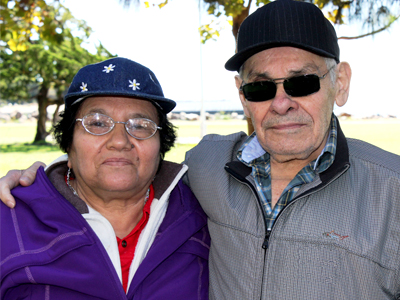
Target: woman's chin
[117,182]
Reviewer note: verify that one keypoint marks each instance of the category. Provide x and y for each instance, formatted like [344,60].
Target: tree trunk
[58,102]
[237,21]
[43,103]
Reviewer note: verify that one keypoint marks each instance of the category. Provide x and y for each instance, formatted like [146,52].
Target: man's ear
[238,82]
[343,78]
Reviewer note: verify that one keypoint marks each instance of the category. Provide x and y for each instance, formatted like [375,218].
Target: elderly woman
[112,220]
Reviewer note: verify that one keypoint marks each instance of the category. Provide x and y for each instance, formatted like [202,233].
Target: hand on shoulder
[15,178]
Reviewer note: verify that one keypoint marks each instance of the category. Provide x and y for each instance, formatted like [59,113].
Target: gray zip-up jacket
[338,239]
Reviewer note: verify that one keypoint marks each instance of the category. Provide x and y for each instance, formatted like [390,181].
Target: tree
[375,15]
[39,53]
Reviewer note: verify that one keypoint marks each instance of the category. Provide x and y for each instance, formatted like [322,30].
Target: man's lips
[287,126]
[117,161]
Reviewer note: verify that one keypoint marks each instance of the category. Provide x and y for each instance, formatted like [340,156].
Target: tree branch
[370,33]
[249,3]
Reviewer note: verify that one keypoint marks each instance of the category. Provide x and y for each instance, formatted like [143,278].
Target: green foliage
[208,32]
[41,49]
[376,16]
[43,64]
[38,49]
[28,20]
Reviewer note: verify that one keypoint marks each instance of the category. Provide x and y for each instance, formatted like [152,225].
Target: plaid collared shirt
[252,155]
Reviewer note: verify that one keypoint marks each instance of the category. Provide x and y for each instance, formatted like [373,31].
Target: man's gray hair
[331,65]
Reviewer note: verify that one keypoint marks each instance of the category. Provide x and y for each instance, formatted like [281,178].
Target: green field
[16,152]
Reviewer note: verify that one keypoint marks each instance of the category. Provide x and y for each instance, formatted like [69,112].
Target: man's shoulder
[217,141]
[215,146]
[234,137]
[368,153]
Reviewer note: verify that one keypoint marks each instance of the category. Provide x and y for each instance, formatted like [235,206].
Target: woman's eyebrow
[131,116]
[96,110]
[139,115]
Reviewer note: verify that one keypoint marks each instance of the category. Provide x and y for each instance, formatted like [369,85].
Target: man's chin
[291,154]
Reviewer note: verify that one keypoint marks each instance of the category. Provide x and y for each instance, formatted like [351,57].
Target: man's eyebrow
[304,70]
[252,75]
[307,69]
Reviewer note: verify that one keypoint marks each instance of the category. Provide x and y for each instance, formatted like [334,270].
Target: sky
[167,41]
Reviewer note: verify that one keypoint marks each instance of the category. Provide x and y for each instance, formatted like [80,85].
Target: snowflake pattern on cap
[84,87]
[134,85]
[109,68]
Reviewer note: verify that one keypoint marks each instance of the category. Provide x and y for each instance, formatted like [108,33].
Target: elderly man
[299,212]
[296,210]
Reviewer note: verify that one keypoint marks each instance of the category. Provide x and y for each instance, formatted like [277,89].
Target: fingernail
[10,204]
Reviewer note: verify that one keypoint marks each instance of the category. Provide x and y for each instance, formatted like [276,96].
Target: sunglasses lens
[302,85]
[259,91]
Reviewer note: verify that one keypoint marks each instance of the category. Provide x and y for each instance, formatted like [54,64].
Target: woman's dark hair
[64,129]
[167,133]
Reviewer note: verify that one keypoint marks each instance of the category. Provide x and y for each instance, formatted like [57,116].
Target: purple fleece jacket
[49,251]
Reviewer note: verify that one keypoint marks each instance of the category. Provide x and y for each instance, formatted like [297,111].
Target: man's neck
[283,170]
[281,175]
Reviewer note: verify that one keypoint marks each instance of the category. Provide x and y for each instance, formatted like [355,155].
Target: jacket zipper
[266,240]
[268,233]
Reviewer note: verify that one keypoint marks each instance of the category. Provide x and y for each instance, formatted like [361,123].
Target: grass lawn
[16,152]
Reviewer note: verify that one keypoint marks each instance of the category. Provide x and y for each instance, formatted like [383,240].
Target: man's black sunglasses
[297,86]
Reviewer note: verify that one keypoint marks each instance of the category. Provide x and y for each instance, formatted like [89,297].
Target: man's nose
[282,103]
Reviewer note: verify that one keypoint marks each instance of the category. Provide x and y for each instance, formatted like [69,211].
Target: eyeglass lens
[298,86]
[99,124]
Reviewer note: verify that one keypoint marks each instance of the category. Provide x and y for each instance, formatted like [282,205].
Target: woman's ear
[238,82]
[343,78]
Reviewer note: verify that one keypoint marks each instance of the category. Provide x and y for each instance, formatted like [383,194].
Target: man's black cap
[285,23]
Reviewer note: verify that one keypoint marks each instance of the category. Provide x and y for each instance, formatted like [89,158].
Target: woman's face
[114,164]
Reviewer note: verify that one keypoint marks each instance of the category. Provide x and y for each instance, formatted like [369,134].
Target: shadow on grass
[27,147]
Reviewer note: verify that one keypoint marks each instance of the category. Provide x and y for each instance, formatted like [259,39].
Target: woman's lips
[117,162]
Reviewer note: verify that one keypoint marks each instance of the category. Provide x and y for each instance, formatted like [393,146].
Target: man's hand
[14,178]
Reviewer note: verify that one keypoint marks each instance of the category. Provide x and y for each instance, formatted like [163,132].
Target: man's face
[289,128]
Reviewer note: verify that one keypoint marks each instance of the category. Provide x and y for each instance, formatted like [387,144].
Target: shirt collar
[251,149]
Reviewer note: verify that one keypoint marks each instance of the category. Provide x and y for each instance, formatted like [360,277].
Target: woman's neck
[122,210]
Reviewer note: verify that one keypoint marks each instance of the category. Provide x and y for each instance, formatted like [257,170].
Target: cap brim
[237,60]
[165,104]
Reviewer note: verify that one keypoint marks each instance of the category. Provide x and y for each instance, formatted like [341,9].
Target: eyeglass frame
[118,122]
[282,81]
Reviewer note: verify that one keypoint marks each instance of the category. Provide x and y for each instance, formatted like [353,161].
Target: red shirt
[127,245]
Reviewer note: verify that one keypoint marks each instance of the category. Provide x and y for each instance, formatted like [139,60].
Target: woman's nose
[119,139]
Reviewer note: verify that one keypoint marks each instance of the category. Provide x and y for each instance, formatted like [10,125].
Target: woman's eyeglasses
[99,124]
[297,86]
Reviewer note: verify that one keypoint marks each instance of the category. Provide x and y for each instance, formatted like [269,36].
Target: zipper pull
[266,239]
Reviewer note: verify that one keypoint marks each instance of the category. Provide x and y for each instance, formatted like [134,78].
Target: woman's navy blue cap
[285,23]
[117,77]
